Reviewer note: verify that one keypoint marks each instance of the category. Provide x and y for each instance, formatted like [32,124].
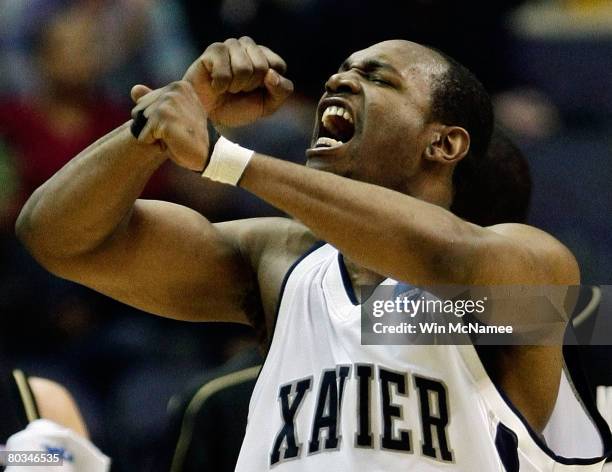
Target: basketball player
[40,415]
[27,399]
[395,124]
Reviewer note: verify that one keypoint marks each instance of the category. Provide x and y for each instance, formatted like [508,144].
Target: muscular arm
[406,238]
[86,225]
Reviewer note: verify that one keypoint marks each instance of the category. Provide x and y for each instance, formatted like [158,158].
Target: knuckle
[221,75]
[281,65]
[167,97]
[259,67]
[216,46]
[177,86]
[183,87]
[164,110]
[243,70]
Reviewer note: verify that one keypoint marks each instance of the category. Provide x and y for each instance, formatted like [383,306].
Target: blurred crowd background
[66,68]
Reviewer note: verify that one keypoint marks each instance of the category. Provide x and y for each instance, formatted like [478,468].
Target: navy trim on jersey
[309,251]
[603,433]
[579,379]
[506,443]
[346,280]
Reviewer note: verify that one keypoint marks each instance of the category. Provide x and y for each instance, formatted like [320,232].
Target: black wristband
[213,137]
[138,124]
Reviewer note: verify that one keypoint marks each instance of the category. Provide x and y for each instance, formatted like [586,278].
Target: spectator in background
[40,133]
[136,39]
[42,129]
[67,111]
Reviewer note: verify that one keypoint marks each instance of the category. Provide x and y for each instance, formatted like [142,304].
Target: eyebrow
[368,65]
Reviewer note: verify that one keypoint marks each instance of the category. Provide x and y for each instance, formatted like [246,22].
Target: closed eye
[379,80]
[371,70]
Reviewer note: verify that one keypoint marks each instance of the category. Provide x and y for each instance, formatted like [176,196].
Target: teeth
[333,125]
[337,111]
[327,142]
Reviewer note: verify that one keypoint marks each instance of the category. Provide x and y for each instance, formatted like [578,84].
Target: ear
[448,144]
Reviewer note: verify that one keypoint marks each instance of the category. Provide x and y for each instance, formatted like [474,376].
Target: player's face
[371,122]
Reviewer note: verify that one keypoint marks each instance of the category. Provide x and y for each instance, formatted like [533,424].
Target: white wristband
[227,162]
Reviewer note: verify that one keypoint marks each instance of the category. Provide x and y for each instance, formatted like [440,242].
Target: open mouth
[337,127]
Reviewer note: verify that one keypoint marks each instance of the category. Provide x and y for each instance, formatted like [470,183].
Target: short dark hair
[491,183]
[459,98]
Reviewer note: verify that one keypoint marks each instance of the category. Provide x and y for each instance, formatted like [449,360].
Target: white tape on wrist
[227,162]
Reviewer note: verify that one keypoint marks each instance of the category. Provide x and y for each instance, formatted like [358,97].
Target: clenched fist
[176,121]
[239,81]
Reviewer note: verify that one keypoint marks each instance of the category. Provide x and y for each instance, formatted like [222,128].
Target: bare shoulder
[525,255]
[271,245]
[258,238]
[549,260]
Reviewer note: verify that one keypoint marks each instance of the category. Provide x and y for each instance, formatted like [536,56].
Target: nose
[343,82]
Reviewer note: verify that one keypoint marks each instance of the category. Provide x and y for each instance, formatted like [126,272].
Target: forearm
[84,203]
[388,232]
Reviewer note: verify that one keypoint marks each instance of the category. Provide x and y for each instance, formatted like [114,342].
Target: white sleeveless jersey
[325,403]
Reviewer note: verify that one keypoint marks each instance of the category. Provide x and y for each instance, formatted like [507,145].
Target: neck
[432,183]
[437,191]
